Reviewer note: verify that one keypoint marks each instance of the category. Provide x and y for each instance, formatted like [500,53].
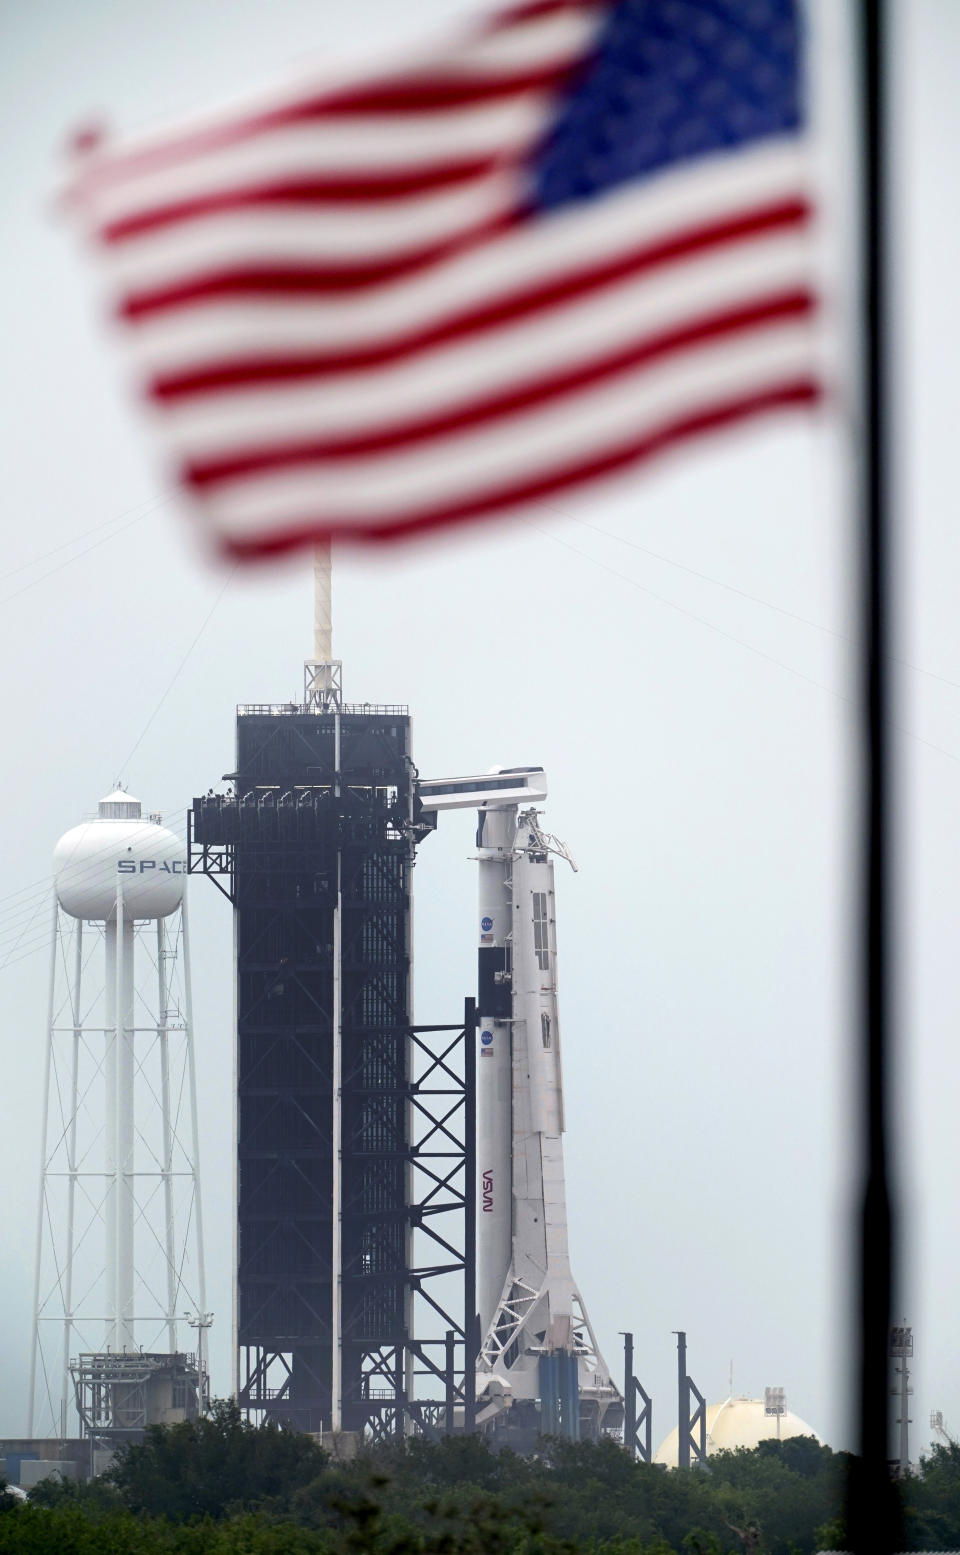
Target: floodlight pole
[901,1349]
[202,1322]
[774,1404]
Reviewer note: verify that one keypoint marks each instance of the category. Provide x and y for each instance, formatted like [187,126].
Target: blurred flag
[572,237]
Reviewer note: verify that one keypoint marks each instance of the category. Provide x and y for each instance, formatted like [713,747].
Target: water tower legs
[167,1130]
[41,1202]
[77,1018]
[119,1225]
[122,1304]
[204,1318]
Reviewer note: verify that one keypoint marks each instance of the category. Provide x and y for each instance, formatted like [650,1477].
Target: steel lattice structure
[354,1129]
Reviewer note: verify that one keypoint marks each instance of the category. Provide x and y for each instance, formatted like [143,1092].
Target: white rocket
[539,1368]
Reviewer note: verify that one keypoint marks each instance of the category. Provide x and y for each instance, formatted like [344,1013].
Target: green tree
[931,1500]
[96,1497]
[213,1466]
[220,1487]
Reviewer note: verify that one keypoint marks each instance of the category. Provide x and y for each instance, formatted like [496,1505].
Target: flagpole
[873,1515]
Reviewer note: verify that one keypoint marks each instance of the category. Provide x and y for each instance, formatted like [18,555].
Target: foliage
[221,1487]
[213,1466]
[931,1500]
[97,1497]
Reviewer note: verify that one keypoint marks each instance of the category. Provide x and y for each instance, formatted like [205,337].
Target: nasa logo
[130,866]
[486,925]
[486,1037]
[488,1191]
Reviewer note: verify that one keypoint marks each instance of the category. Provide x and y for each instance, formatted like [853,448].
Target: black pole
[683,1403]
[471,1321]
[450,1367]
[629,1397]
[873,1509]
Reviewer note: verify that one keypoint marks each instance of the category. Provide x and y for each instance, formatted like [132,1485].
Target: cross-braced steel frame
[354,1128]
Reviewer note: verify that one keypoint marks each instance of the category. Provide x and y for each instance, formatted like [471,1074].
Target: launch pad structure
[401,1210]
[354,1128]
[363,1211]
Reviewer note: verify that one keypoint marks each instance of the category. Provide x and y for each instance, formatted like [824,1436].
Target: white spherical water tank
[119,848]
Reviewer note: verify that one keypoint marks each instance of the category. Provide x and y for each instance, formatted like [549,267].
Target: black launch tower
[353,1128]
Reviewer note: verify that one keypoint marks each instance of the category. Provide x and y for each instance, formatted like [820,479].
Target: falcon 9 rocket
[539,1369]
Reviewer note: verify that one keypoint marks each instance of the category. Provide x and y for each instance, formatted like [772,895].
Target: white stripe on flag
[333,147]
[385,489]
[120,177]
[268,235]
[539,252]
[444,377]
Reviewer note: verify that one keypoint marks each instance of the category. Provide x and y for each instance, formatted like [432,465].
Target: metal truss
[313,845]
[115,1393]
[517,1306]
[692,1438]
[425,1382]
[637,1424]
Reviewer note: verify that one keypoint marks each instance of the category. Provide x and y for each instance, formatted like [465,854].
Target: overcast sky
[675,653]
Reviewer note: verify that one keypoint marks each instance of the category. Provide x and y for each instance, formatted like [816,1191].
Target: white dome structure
[119,849]
[737,1422]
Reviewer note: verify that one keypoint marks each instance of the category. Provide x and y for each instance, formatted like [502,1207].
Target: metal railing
[362,709]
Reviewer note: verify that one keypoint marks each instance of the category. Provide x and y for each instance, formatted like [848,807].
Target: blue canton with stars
[672,81]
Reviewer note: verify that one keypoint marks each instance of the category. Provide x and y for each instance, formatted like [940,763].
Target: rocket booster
[539,1368]
[520,1188]
[495,838]
[494,1064]
[539,1352]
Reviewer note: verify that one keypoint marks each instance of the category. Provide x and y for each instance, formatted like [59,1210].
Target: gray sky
[699,744]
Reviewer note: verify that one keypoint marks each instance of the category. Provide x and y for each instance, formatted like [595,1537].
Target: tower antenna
[322,675]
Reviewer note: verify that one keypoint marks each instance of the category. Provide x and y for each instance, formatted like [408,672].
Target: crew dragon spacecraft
[539,1368]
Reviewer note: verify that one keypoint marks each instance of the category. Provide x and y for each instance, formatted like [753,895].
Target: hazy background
[675,655]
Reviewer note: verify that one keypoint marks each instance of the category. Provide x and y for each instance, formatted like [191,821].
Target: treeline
[220,1487]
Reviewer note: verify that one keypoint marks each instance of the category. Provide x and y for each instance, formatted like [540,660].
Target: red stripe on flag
[426,92]
[210,473]
[525,302]
[306,193]
[483,504]
[534,11]
[325,280]
[433,94]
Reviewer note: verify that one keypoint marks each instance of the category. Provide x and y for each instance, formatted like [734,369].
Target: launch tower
[343,1166]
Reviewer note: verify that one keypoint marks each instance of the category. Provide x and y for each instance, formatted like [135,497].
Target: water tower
[119,1258]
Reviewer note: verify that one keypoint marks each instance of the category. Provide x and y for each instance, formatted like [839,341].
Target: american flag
[570,237]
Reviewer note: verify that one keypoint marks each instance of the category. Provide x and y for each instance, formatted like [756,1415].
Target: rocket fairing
[539,1369]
